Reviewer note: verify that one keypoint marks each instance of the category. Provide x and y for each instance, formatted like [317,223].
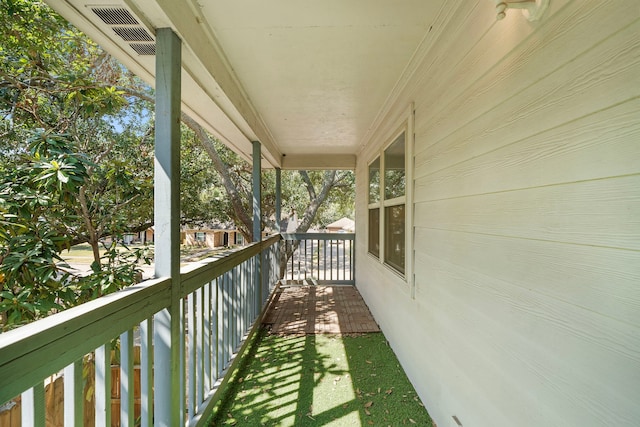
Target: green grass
[81,254]
[320,380]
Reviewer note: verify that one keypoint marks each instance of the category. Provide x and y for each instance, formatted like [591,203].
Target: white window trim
[374,205]
[406,125]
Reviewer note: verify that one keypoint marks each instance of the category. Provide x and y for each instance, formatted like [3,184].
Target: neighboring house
[145,236]
[212,236]
[343,225]
[497,174]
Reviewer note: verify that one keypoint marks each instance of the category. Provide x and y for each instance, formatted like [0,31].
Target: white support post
[73,394]
[167,334]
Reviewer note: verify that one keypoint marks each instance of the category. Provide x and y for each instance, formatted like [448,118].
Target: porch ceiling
[306,78]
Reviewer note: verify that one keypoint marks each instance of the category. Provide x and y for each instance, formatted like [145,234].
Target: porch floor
[319,360]
[302,310]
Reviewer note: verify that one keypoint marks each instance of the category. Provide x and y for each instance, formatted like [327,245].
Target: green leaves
[76,162]
[30,240]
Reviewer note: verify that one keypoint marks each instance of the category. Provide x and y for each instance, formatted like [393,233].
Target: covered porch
[495,149]
[221,305]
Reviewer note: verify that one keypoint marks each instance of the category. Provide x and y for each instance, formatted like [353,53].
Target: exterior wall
[524,309]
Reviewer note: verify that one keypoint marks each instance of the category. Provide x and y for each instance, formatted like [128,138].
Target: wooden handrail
[32,352]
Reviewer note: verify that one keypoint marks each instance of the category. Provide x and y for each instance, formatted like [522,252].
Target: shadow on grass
[318,380]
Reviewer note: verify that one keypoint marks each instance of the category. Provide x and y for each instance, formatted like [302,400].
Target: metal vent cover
[133,34]
[126,26]
[115,16]
[144,48]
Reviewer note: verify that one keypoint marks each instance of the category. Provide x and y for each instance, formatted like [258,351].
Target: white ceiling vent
[129,28]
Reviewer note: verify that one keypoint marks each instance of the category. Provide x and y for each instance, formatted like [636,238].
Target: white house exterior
[515,298]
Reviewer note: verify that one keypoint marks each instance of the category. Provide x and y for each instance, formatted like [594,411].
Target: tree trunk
[315,200]
[91,230]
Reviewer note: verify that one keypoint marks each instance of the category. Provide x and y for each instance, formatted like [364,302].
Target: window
[387,200]
[394,202]
[374,208]
[374,232]
[200,236]
[394,237]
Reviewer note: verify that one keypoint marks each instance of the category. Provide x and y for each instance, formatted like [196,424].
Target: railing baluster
[220,312]
[234,307]
[338,259]
[237,273]
[146,373]
[292,258]
[214,330]
[255,282]
[311,259]
[73,392]
[182,389]
[247,294]
[206,338]
[352,260]
[324,258]
[227,319]
[102,389]
[305,259]
[191,355]
[221,320]
[32,406]
[329,244]
[199,348]
[126,379]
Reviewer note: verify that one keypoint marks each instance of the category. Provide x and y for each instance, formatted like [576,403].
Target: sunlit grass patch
[326,380]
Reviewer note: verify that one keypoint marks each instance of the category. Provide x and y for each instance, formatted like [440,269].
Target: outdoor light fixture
[531,9]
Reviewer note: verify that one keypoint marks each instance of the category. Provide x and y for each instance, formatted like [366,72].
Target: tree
[70,141]
[53,78]
[35,199]
[69,108]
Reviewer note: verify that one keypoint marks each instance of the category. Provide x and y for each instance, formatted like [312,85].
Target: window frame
[375,205]
[404,125]
[392,202]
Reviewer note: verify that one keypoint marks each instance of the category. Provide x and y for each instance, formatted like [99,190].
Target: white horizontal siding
[526,218]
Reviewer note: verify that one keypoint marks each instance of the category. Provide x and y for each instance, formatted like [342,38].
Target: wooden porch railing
[221,301]
[320,257]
